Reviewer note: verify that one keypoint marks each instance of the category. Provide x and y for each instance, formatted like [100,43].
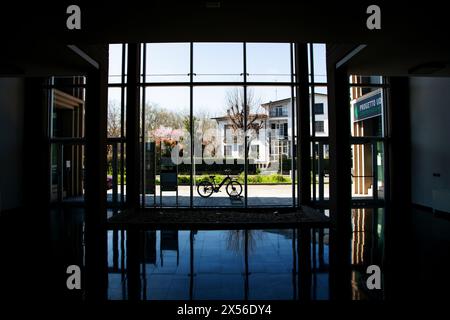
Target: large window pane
[218,143]
[115,63]
[367,112]
[218,62]
[66,103]
[167,144]
[268,62]
[116,96]
[269,144]
[318,111]
[167,62]
[317,65]
[320,169]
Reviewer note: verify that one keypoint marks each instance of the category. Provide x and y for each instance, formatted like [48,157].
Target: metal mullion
[122,128]
[71,86]
[362,140]
[313,119]
[318,84]
[209,84]
[50,109]
[369,85]
[292,127]
[320,171]
[68,140]
[386,138]
[245,127]
[144,62]
[297,107]
[117,85]
[374,170]
[191,124]
[320,139]
[60,172]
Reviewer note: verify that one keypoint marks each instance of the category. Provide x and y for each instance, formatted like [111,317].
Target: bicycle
[205,188]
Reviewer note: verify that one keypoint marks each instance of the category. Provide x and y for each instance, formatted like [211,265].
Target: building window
[280,130]
[254,151]
[278,111]
[320,127]
[285,148]
[285,130]
[227,133]
[227,151]
[318,108]
[241,150]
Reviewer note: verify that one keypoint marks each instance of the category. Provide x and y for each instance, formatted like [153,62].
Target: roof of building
[227,117]
[286,100]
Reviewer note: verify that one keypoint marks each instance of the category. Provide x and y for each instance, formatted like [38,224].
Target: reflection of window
[278,111]
[318,108]
[228,133]
[241,150]
[320,127]
[254,151]
[280,130]
[227,151]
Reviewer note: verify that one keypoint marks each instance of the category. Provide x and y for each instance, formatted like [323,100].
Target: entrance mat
[219,218]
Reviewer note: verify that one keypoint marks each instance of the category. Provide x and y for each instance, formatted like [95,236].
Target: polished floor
[254,264]
[218,265]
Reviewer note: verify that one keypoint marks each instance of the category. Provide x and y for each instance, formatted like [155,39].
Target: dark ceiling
[411,34]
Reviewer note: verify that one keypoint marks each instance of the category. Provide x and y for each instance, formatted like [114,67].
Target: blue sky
[170,62]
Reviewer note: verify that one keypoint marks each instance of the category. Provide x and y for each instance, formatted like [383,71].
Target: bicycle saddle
[212,177]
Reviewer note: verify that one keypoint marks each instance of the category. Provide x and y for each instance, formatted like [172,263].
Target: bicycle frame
[218,186]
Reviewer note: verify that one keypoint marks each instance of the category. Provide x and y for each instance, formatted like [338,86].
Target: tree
[113,122]
[236,112]
[204,133]
[113,127]
[157,117]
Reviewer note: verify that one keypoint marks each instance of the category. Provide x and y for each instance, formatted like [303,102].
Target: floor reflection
[367,248]
[284,264]
[217,264]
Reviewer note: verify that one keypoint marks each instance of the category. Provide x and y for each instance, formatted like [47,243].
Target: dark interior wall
[430,138]
[11,142]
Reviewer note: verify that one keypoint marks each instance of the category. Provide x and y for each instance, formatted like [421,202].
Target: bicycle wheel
[234,189]
[205,189]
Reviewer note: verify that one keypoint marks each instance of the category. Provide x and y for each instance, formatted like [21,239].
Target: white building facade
[270,140]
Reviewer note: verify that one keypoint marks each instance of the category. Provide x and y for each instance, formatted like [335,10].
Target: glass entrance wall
[66,103]
[368,109]
[167,146]
[218,147]
[270,146]
[233,107]
[318,110]
[116,126]
[220,97]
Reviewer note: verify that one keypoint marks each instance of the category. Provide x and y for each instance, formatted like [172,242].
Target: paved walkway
[258,195]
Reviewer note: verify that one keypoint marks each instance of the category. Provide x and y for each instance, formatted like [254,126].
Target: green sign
[368,107]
